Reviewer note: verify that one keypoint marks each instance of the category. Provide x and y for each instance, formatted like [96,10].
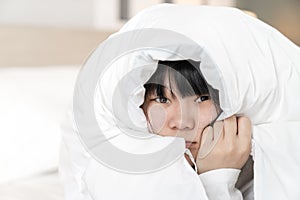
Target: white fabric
[46,186]
[220,184]
[255,69]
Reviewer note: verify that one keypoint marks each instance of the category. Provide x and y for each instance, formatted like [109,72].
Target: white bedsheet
[43,186]
[32,102]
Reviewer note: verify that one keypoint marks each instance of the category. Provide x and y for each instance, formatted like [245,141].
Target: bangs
[182,77]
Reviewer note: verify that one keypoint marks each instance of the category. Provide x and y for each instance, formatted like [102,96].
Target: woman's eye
[202,98]
[162,100]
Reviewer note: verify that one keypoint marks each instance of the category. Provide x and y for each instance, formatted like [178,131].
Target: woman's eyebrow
[206,94]
[170,92]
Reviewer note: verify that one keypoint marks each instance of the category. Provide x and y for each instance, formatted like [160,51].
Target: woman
[179,103]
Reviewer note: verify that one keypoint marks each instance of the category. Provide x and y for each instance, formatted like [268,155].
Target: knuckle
[231,119]
[244,121]
[230,150]
[218,151]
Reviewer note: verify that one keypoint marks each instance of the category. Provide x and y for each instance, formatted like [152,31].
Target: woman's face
[185,117]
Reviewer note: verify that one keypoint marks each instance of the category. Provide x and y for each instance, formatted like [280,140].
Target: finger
[206,143]
[206,135]
[218,130]
[230,128]
[244,130]
[189,160]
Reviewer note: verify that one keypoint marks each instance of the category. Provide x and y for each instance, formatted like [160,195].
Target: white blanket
[254,67]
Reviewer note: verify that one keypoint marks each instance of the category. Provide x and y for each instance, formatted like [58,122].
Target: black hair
[185,75]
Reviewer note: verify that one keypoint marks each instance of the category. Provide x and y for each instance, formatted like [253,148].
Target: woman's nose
[182,119]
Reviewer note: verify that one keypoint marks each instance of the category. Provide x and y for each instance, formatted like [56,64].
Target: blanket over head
[255,68]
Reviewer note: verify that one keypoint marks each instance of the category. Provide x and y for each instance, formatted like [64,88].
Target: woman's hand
[232,148]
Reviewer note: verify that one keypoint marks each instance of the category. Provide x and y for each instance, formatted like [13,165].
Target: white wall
[100,14]
[106,14]
[47,12]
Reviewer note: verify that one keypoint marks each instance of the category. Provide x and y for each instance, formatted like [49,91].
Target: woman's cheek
[157,117]
[207,113]
[204,119]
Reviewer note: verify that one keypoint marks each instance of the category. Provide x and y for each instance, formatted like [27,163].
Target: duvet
[107,152]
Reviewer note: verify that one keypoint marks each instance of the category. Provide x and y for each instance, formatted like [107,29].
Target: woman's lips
[189,144]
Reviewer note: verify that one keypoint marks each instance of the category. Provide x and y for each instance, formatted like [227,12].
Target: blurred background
[42,46]
[96,19]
